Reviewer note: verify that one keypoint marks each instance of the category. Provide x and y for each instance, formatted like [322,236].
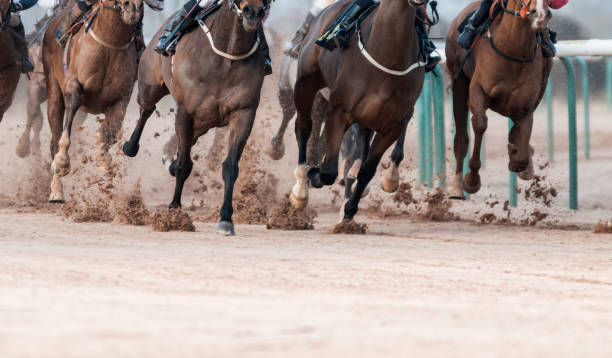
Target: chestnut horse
[216,82]
[375,85]
[9,57]
[507,74]
[97,77]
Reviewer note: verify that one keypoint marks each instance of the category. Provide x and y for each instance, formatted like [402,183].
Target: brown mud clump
[488,218]
[438,207]
[603,227]
[539,189]
[403,195]
[130,208]
[350,227]
[172,220]
[94,211]
[283,216]
[255,193]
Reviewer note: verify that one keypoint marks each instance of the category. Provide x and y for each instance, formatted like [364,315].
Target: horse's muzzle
[252,17]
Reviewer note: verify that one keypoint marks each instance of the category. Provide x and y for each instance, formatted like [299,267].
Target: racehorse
[95,73]
[375,85]
[507,73]
[216,79]
[9,68]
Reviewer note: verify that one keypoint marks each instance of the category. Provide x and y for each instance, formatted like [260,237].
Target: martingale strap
[224,54]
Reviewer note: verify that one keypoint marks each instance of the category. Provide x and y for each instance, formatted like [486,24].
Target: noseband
[233,4]
[524,11]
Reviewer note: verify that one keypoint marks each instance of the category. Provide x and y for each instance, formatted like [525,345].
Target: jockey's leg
[63,31]
[296,43]
[180,23]
[22,46]
[427,46]
[139,37]
[549,39]
[266,50]
[340,32]
[467,37]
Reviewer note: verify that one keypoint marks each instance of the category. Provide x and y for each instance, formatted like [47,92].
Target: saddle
[494,12]
[189,24]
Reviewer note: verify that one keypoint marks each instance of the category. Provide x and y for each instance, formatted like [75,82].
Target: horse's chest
[106,78]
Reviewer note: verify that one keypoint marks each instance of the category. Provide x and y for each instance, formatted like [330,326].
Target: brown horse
[508,74]
[101,70]
[9,59]
[216,82]
[375,85]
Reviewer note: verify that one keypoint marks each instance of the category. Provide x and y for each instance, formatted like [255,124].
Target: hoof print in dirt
[350,227]
[172,220]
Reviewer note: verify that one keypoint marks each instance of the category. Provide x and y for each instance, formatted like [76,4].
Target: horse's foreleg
[131,147]
[72,100]
[108,135]
[478,105]
[277,148]
[361,153]
[316,143]
[183,165]
[241,124]
[335,128]
[390,182]
[305,91]
[519,150]
[462,140]
[379,146]
[55,114]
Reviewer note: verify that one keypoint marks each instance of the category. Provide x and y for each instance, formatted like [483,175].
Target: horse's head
[535,11]
[131,10]
[251,11]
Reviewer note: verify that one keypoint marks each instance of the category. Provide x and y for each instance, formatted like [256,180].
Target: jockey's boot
[296,43]
[22,46]
[549,39]
[467,37]
[266,51]
[427,47]
[139,38]
[339,34]
[167,43]
[63,31]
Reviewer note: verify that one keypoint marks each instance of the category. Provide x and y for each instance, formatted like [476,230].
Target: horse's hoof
[314,174]
[298,203]
[276,150]
[456,196]
[390,185]
[23,147]
[472,183]
[60,169]
[56,199]
[456,188]
[130,149]
[226,228]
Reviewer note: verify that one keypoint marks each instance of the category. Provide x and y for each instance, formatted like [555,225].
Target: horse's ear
[155,5]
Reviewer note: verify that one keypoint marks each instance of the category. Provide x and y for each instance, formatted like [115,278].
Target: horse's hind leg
[55,115]
[148,96]
[336,126]
[241,123]
[36,91]
[462,140]
[277,148]
[305,90]
[107,136]
[316,143]
[390,182]
[362,149]
[379,146]
[478,105]
[72,99]
[519,150]
[183,165]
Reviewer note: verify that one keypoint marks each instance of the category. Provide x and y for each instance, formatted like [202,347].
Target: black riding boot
[549,39]
[139,38]
[296,43]
[168,39]
[427,47]
[266,51]
[467,37]
[22,46]
[339,34]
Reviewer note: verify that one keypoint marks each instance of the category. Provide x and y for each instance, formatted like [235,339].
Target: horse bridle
[6,17]
[233,4]
[524,11]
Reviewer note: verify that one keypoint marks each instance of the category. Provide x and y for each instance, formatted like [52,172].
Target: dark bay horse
[507,74]
[374,82]
[97,77]
[213,87]
[9,59]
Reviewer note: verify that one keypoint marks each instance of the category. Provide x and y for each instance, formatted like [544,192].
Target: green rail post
[573,147]
[439,129]
[512,194]
[609,83]
[421,117]
[551,125]
[584,71]
[428,132]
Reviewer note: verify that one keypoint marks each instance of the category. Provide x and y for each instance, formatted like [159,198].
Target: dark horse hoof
[171,168]
[226,228]
[174,206]
[471,183]
[314,174]
[130,149]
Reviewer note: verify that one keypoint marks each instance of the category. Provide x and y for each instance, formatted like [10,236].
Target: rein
[115,7]
[523,14]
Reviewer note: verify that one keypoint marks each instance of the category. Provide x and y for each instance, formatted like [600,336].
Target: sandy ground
[408,289]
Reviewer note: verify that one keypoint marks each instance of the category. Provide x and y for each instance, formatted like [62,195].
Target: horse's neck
[229,35]
[392,34]
[514,36]
[111,29]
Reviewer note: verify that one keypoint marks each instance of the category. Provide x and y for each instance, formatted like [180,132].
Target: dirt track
[424,289]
